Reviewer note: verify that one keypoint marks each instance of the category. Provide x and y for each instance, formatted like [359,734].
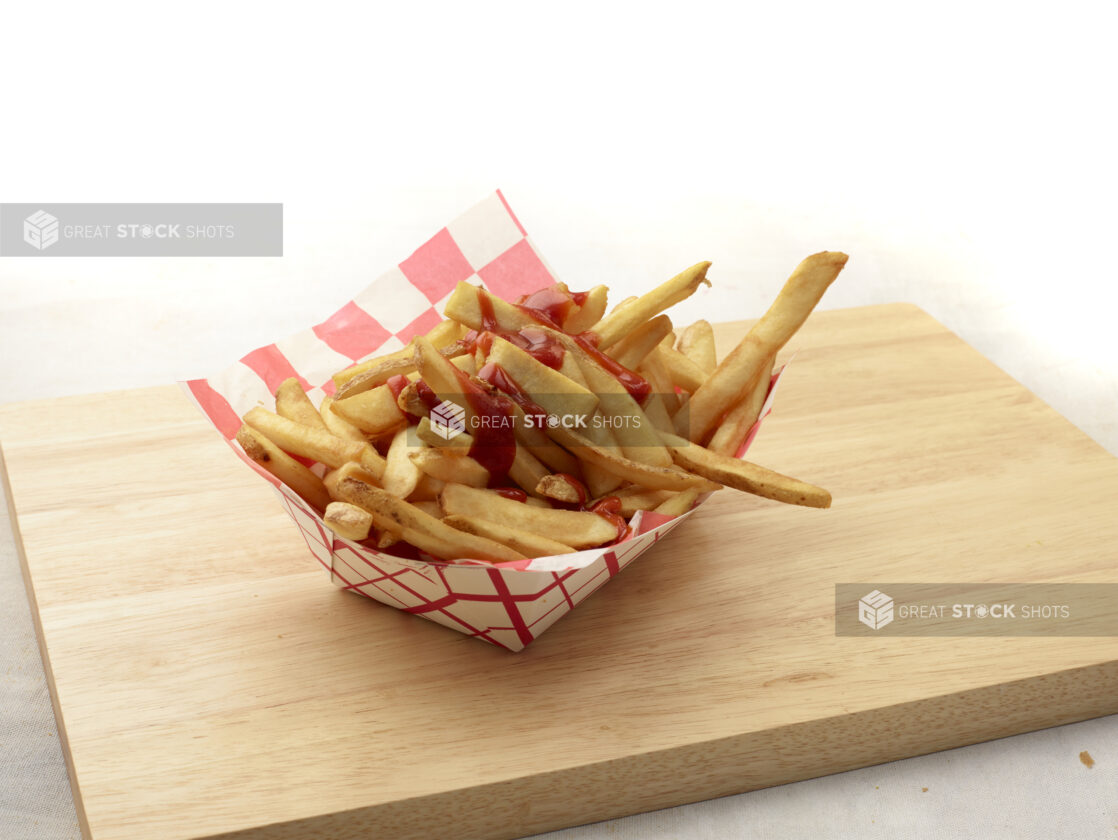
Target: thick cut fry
[653,370]
[430,507]
[630,351]
[555,393]
[337,425]
[657,414]
[348,520]
[678,504]
[625,319]
[562,489]
[450,465]
[293,403]
[738,373]
[744,476]
[526,470]
[300,479]
[297,439]
[579,529]
[648,475]
[422,530]
[584,317]
[400,474]
[373,412]
[350,470]
[734,428]
[644,500]
[384,370]
[620,413]
[696,342]
[427,490]
[526,542]
[442,334]
[681,370]
[464,307]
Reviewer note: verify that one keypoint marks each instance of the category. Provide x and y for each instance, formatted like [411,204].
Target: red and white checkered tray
[506,604]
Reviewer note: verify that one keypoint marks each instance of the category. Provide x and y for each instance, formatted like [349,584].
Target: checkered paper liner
[505,604]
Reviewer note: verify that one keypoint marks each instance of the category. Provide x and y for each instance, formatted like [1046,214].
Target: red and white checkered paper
[506,604]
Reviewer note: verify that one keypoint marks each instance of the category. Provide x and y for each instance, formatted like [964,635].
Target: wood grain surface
[210,682]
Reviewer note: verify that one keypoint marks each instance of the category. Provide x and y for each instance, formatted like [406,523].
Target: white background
[962,154]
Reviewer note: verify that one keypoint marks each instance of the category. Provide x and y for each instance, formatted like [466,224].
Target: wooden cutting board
[210,682]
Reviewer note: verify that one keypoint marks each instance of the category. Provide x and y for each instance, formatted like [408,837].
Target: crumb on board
[923,790]
[1085,757]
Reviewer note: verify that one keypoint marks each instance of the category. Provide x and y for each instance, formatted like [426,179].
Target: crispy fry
[738,373]
[734,428]
[653,370]
[384,370]
[526,470]
[420,529]
[678,504]
[590,313]
[349,470]
[682,371]
[337,425]
[624,320]
[293,403]
[620,413]
[450,465]
[297,439]
[744,476]
[427,490]
[440,335]
[649,475]
[463,307]
[630,351]
[348,520]
[300,479]
[575,528]
[644,500]
[696,342]
[552,391]
[562,489]
[373,412]
[526,542]
[400,473]
[430,507]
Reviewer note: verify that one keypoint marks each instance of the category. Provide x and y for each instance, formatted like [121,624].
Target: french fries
[536,427]
[739,372]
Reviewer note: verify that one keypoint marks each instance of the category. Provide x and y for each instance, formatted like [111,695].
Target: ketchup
[396,384]
[637,386]
[494,445]
[514,493]
[579,487]
[496,376]
[551,305]
[609,508]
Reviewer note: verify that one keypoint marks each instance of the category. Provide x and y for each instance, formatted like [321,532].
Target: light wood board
[210,682]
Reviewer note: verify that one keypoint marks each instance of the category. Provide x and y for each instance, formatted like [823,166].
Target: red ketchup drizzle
[551,305]
[514,493]
[396,384]
[637,386]
[429,397]
[494,445]
[535,342]
[496,376]
[609,509]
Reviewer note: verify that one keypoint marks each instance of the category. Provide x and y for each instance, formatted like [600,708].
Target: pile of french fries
[569,421]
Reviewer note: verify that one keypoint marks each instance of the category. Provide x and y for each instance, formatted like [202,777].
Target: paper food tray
[505,604]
